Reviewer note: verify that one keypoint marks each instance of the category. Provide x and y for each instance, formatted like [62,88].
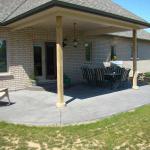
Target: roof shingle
[10,9]
[7,7]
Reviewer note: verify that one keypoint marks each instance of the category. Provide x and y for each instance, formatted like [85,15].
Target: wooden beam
[135,86]
[59,47]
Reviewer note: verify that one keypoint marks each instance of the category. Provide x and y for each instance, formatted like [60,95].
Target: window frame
[113,47]
[38,45]
[91,51]
[7,69]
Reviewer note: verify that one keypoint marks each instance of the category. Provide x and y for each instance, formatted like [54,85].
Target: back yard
[124,131]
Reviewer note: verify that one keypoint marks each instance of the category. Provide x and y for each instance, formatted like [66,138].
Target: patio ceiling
[88,24]
[84,27]
[50,23]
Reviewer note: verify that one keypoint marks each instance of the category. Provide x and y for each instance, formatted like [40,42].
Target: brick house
[81,32]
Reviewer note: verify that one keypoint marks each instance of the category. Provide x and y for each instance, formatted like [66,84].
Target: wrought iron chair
[99,76]
[88,75]
[124,77]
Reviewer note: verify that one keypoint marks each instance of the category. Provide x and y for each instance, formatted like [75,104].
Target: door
[37,61]
[50,57]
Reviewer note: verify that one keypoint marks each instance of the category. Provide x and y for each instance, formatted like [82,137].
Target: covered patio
[61,20]
[35,106]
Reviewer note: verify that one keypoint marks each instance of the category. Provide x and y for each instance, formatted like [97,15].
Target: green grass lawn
[127,131]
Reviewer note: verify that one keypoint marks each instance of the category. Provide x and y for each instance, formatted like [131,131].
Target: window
[88,52]
[113,53]
[3,56]
[37,61]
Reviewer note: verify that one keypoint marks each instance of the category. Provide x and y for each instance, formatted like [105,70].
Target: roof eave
[58,3]
[121,36]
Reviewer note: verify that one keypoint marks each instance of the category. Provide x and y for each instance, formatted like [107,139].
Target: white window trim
[115,50]
[88,62]
[38,45]
[7,73]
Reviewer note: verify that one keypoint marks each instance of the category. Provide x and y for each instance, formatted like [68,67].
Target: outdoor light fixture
[75,42]
[64,42]
[86,44]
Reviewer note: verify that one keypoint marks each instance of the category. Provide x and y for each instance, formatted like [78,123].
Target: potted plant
[33,80]
[113,54]
[67,81]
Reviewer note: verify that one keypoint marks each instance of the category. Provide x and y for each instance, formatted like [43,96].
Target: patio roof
[141,34]
[15,10]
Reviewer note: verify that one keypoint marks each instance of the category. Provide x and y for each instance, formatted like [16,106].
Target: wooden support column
[59,49]
[135,75]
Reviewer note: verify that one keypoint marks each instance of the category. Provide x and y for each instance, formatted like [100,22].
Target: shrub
[147,74]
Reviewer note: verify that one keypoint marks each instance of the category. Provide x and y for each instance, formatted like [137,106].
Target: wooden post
[59,47]
[135,60]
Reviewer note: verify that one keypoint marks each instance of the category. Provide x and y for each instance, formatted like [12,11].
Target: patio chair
[88,75]
[3,93]
[99,76]
[84,72]
[124,76]
[119,70]
[109,70]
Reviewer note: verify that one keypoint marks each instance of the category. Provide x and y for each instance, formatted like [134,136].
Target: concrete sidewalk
[84,104]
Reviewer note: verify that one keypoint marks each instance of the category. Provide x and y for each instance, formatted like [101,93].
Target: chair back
[125,74]
[119,70]
[88,74]
[108,70]
[84,73]
[113,69]
[99,74]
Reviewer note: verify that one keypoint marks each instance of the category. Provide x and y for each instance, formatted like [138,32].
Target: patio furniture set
[113,76]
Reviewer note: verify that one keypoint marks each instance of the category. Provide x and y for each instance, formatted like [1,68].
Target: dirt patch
[34,145]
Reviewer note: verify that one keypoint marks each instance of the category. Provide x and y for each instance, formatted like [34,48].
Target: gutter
[61,4]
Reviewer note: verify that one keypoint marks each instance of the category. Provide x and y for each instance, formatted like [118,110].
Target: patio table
[112,77]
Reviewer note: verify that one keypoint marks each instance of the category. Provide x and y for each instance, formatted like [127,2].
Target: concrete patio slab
[84,104]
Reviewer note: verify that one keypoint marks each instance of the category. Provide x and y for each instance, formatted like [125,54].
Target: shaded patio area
[36,106]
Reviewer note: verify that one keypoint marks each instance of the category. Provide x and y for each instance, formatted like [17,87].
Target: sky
[138,7]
